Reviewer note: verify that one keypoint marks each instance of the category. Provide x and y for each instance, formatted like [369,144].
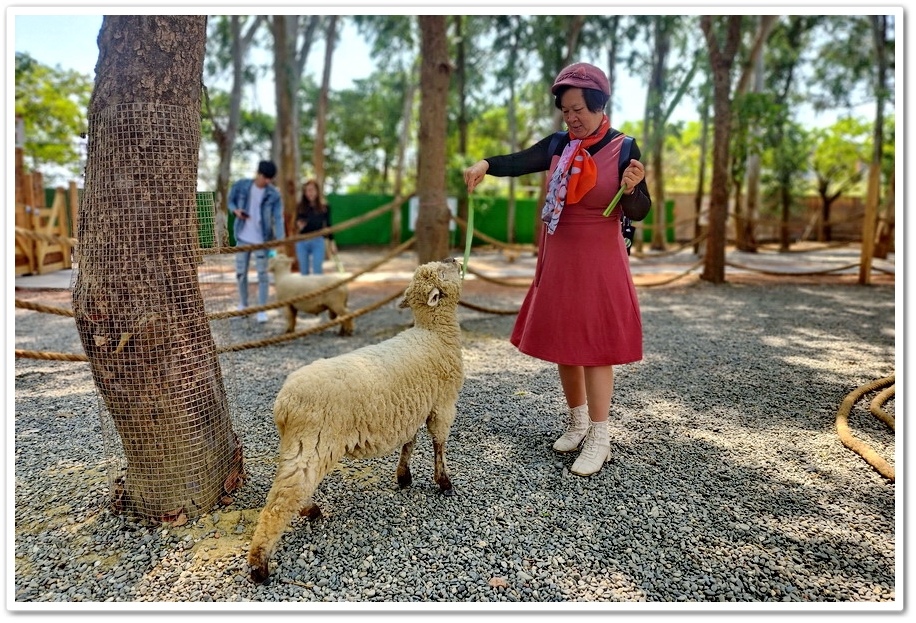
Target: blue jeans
[310,254]
[242,260]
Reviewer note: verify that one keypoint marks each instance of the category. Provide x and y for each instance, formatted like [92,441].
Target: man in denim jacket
[258,210]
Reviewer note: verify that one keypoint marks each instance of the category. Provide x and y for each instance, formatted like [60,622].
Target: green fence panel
[491,217]
[375,231]
[669,222]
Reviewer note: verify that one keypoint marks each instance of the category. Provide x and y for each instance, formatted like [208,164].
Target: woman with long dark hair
[312,214]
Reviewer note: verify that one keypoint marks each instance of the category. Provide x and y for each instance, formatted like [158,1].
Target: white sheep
[288,285]
[365,403]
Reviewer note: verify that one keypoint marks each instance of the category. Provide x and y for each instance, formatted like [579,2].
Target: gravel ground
[728,481]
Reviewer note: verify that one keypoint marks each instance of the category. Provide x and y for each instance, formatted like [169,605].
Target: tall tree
[323,95]
[667,86]
[880,40]
[745,219]
[231,37]
[289,63]
[435,72]
[723,36]
[287,139]
[838,152]
[511,32]
[136,301]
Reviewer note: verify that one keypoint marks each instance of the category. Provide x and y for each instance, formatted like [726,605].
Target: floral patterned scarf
[575,175]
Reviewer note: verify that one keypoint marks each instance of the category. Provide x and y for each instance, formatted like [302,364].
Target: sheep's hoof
[446,489]
[405,481]
[310,512]
[259,575]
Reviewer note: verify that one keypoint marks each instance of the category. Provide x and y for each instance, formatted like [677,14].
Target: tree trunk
[885,237]
[785,200]
[136,301]
[701,180]
[747,240]
[322,112]
[655,102]
[435,71]
[873,192]
[410,90]
[461,86]
[721,60]
[287,137]
[224,137]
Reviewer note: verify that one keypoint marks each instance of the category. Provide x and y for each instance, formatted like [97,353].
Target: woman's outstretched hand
[474,174]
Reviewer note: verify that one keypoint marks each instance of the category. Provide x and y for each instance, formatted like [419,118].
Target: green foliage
[785,166]
[840,155]
[52,103]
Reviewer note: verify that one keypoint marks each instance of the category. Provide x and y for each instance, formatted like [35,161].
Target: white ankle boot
[575,431]
[596,451]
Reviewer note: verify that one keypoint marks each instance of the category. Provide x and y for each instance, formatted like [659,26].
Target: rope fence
[511,282]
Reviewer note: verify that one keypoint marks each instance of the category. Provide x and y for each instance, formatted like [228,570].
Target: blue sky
[70,41]
[65,40]
[66,36]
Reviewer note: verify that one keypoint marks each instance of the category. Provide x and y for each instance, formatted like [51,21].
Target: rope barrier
[877,404]
[357,220]
[511,282]
[856,445]
[674,251]
[288,337]
[308,295]
[763,271]
[45,309]
[489,310]
[489,239]
[49,356]
[501,282]
[664,282]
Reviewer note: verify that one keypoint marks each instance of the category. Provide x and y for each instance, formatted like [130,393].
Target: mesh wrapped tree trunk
[137,301]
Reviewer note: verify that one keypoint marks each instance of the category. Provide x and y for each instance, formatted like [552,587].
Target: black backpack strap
[555,142]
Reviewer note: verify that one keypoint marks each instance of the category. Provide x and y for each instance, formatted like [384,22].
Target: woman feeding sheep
[581,311]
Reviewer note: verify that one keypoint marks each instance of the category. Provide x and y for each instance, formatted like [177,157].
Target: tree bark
[137,301]
[287,139]
[721,59]
[435,71]
[322,112]
[873,192]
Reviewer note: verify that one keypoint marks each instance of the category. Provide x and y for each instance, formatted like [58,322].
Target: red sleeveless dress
[581,308]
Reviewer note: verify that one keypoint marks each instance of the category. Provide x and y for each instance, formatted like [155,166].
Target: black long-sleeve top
[314,219]
[536,158]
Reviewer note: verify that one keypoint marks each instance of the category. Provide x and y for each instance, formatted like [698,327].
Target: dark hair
[594,99]
[319,205]
[268,169]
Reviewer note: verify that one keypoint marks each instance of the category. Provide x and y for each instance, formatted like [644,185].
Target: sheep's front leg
[403,473]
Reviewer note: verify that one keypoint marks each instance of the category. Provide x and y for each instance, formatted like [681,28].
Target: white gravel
[728,484]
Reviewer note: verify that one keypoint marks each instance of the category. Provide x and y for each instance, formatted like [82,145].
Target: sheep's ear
[403,303]
[434,296]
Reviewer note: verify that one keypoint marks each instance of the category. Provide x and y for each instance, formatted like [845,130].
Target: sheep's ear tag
[434,296]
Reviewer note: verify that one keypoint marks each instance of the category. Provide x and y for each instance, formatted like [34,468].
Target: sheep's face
[434,282]
[279,262]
